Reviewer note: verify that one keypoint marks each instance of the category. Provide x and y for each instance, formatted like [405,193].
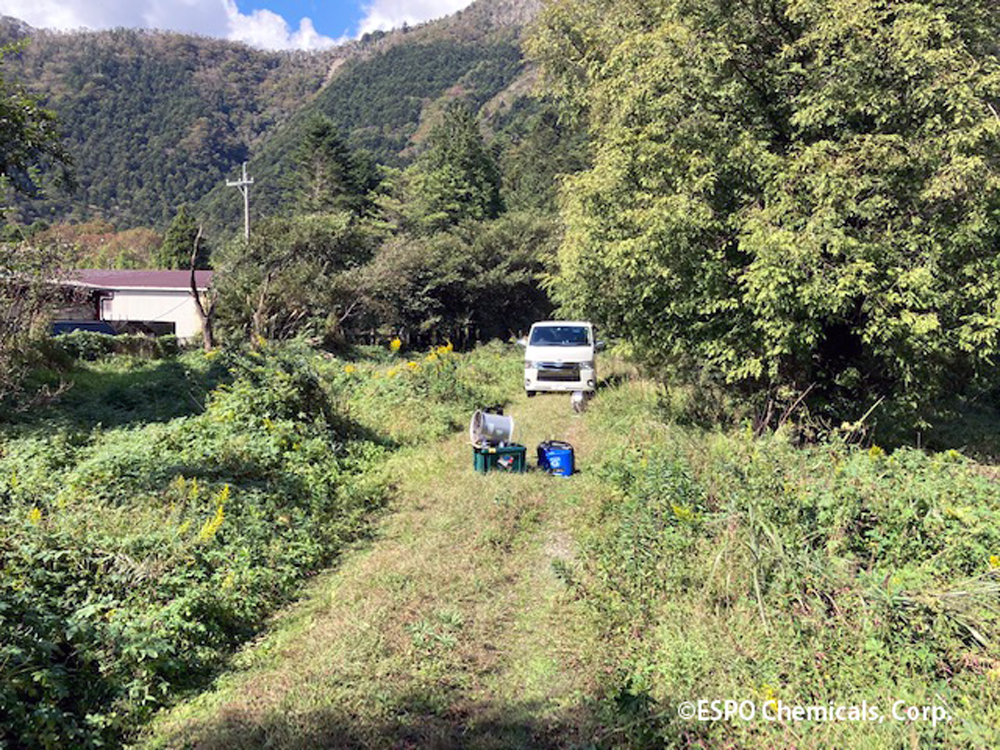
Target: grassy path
[449,630]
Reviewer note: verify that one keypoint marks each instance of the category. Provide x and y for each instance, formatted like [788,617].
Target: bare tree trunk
[207,316]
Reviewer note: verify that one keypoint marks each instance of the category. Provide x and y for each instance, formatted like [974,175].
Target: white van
[559,356]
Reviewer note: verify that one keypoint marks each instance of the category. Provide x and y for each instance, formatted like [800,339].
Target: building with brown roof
[151,301]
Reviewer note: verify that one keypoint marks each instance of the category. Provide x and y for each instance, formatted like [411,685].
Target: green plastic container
[510,458]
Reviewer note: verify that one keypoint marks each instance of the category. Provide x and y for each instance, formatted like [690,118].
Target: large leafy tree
[790,194]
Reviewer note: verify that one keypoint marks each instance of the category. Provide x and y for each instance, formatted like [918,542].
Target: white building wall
[166,306]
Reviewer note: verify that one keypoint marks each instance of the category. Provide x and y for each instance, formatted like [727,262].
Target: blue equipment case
[556,457]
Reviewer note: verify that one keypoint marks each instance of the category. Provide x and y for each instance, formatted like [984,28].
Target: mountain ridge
[156,119]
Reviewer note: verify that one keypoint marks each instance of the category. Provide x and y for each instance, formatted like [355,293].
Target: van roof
[586,323]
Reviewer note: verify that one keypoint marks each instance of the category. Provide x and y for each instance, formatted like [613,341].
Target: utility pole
[244,186]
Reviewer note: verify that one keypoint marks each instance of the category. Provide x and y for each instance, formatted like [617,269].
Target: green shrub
[135,562]
[89,345]
[136,556]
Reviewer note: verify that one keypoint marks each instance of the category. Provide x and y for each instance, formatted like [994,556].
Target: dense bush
[796,196]
[89,345]
[134,560]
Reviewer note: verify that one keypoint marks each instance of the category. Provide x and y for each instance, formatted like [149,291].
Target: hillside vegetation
[155,120]
[783,217]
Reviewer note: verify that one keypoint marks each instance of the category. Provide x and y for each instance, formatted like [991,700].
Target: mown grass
[450,630]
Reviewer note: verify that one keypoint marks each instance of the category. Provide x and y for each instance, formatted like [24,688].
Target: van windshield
[560,336]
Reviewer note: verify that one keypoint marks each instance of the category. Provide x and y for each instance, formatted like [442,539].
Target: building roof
[97,278]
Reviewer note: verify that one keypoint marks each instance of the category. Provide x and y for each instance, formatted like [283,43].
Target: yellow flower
[350,369]
[683,513]
[391,373]
[35,515]
[413,366]
[995,561]
[875,452]
[769,695]
[395,345]
[212,525]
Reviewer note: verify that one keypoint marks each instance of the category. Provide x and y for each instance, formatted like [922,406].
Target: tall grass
[728,567]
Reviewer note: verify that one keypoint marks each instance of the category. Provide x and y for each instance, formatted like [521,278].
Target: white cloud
[391,14]
[218,18]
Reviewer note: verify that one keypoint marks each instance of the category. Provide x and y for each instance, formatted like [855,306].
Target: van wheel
[531,394]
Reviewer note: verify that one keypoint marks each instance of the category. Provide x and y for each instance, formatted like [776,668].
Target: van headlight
[529,365]
[587,365]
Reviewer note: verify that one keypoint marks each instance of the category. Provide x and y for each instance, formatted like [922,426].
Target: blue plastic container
[556,457]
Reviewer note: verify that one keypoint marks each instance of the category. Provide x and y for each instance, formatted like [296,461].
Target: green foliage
[198,528]
[157,119]
[415,397]
[292,278]
[88,345]
[378,100]
[791,194]
[178,243]
[473,284]
[457,178]
[725,567]
[329,176]
[29,140]
[30,149]
[381,98]
[537,149]
[136,556]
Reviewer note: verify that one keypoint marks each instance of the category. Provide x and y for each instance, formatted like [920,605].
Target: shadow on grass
[413,722]
[626,719]
[148,391]
[970,426]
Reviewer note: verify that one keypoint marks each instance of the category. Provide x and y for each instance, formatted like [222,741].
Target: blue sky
[269,24]
[331,19]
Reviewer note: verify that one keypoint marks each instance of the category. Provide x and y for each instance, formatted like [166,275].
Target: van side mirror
[600,346]
[523,342]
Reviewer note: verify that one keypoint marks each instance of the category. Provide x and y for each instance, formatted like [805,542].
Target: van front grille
[559,371]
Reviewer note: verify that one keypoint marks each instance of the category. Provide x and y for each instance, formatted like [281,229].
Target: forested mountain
[155,120]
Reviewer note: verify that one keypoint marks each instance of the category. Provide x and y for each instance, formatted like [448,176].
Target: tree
[478,282]
[29,149]
[175,252]
[328,175]
[293,277]
[793,195]
[456,178]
